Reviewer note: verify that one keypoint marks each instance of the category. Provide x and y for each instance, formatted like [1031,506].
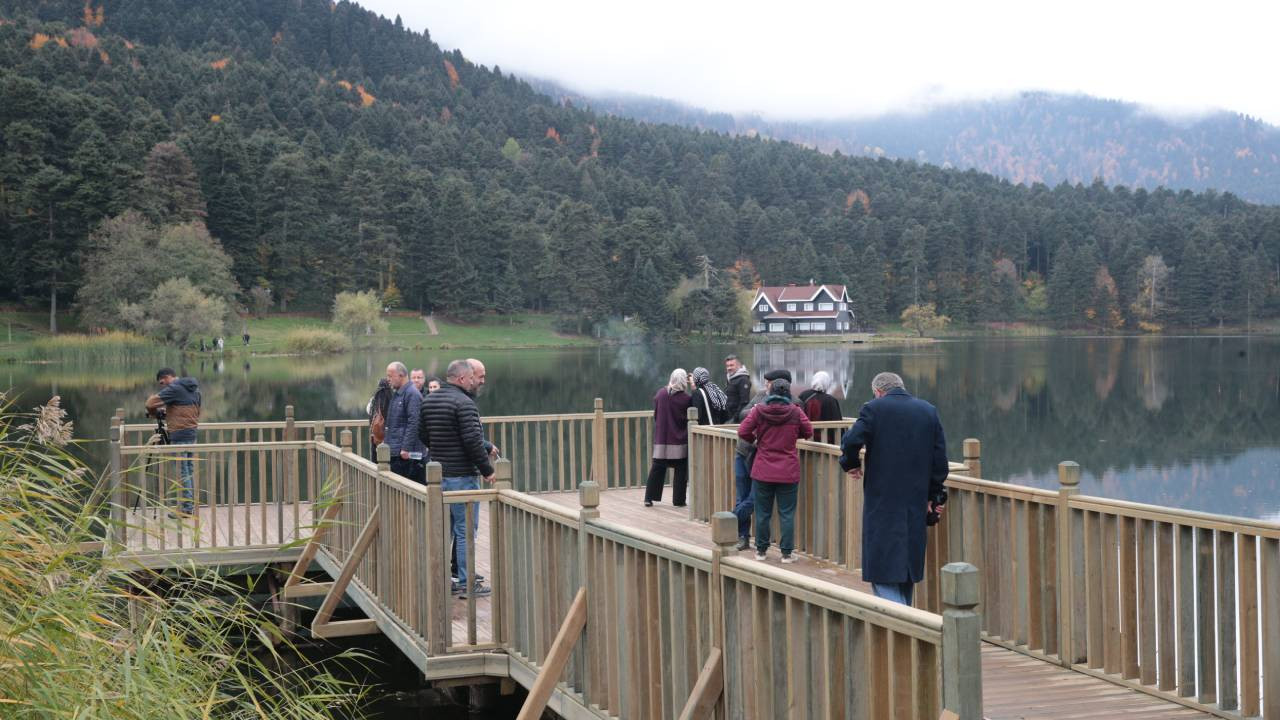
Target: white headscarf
[821,381]
[679,381]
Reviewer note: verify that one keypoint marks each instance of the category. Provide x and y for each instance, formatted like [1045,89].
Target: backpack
[377,427]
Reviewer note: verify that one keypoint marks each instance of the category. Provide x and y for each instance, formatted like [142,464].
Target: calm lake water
[1182,422]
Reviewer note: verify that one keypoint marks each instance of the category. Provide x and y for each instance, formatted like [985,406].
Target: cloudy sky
[827,59]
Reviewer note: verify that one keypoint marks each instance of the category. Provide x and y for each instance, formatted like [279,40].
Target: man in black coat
[903,484]
[737,389]
[450,429]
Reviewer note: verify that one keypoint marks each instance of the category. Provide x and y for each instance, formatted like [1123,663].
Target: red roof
[777,294]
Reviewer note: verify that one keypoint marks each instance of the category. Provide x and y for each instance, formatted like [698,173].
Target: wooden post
[961,642]
[344,441]
[499,582]
[589,499]
[118,532]
[384,458]
[288,423]
[724,533]
[599,451]
[317,431]
[439,534]
[1070,565]
[697,493]
[290,479]
[973,456]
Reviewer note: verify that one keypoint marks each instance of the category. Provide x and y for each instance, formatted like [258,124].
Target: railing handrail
[214,447]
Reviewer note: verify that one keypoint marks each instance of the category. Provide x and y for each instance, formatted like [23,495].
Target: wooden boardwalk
[1015,686]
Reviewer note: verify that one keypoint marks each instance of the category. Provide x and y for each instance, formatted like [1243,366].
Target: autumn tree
[922,318]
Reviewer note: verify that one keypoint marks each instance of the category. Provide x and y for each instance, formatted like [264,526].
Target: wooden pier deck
[1074,607]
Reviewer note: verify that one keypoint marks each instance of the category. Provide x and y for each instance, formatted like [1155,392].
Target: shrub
[91,638]
[112,347]
[359,313]
[315,341]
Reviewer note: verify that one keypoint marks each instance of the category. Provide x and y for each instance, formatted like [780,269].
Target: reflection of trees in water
[803,361]
[1153,388]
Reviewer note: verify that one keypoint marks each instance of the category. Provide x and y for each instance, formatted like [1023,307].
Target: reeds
[315,341]
[83,637]
[112,347]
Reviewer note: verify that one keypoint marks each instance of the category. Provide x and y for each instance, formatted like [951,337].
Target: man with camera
[903,492]
[177,405]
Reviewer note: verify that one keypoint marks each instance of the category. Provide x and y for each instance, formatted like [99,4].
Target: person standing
[775,426]
[902,484]
[670,440]
[403,414]
[450,428]
[708,398]
[744,455]
[178,401]
[419,380]
[737,387]
[820,406]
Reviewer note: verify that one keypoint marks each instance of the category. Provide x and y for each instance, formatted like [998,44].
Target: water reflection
[1185,422]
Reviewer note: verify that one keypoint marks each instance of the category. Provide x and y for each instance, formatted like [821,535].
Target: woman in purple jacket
[670,440]
[774,426]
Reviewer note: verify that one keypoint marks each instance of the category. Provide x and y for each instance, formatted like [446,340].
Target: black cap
[781,373]
[780,387]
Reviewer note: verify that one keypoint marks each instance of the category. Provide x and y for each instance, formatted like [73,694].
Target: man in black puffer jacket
[450,428]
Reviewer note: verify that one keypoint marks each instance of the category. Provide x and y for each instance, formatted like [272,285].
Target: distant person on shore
[450,428]
[402,425]
[708,398]
[744,455]
[245,337]
[902,486]
[737,386]
[178,402]
[377,412]
[670,440]
[774,426]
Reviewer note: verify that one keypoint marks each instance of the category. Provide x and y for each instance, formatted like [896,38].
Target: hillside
[1033,137]
[328,149]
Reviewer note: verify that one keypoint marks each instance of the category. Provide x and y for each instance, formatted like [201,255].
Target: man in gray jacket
[402,425]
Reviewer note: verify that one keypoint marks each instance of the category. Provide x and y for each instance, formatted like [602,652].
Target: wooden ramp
[1015,686]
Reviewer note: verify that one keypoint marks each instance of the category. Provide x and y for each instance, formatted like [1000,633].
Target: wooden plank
[1270,640]
[1093,591]
[1128,598]
[706,691]
[367,535]
[345,628]
[1204,617]
[1228,692]
[1110,596]
[1247,577]
[1165,587]
[1186,611]
[1146,602]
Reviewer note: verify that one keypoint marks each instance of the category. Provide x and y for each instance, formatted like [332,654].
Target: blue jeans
[894,592]
[746,498]
[785,494]
[458,519]
[185,469]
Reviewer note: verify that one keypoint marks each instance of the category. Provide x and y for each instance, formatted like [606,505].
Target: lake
[1188,422]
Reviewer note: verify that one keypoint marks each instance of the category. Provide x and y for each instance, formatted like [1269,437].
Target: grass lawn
[410,332]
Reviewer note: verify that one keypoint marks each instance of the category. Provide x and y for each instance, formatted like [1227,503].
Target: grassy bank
[270,335]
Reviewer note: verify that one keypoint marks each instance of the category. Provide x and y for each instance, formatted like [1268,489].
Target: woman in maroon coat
[774,426]
[670,440]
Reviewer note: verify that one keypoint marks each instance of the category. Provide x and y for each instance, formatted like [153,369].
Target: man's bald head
[477,374]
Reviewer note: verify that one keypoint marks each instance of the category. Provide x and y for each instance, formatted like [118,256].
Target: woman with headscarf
[670,440]
[820,406]
[377,412]
[712,403]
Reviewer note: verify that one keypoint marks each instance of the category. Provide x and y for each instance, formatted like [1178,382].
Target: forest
[278,152]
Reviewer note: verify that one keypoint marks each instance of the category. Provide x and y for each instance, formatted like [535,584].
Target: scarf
[715,395]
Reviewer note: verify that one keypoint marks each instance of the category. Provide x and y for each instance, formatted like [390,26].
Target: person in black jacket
[737,388]
[450,429]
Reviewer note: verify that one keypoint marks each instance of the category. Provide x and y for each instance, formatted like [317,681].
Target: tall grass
[111,347]
[84,638]
[315,341]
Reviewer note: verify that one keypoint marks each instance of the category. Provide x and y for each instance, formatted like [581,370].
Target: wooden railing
[1178,604]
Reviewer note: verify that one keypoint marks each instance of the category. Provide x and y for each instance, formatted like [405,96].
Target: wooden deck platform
[1015,686]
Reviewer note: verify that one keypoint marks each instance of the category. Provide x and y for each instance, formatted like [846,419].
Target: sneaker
[788,558]
[453,579]
[743,544]
[478,589]
[456,587]
[761,556]
[648,503]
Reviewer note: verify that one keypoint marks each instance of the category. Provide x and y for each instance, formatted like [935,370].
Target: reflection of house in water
[803,362]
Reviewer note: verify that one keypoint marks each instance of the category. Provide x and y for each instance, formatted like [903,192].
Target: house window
[826,307]
[775,327]
[820,326]
[802,327]
[808,307]
[764,307]
[844,306]
[758,327]
[791,307]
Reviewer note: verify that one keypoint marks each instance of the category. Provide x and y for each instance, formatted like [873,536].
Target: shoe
[648,503]
[456,587]
[788,558]
[679,505]
[453,579]
[478,589]
[761,555]
[743,544]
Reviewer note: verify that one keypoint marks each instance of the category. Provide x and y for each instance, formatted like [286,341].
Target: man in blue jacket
[402,425]
[906,467]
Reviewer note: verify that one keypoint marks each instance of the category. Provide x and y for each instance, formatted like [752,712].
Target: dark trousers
[658,477]
[746,497]
[413,470]
[785,494]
